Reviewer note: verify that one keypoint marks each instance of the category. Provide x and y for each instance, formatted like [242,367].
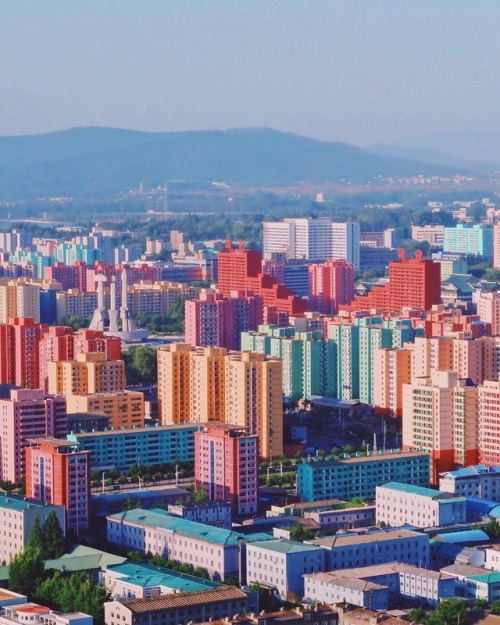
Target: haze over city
[361,72]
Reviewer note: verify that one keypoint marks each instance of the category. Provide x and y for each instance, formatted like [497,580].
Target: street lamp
[176,474]
[103,480]
[268,469]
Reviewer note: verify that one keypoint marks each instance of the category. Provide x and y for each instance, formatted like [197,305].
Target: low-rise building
[137,580]
[405,504]
[221,552]
[17,515]
[373,586]
[477,480]
[216,513]
[343,518]
[347,551]
[281,564]
[36,614]
[121,448]
[358,476]
[204,605]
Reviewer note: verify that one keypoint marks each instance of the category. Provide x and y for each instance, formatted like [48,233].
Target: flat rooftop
[15,502]
[285,546]
[194,427]
[420,491]
[345,540]
[378,457]
[374,570]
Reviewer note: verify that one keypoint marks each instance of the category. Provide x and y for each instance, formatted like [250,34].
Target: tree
[448,612]
[55,542]
[26,571]
[74,593]
[300,533]
[130,504]
[417,615]
[495,608]
[492,528]
[480,604]
[36,537]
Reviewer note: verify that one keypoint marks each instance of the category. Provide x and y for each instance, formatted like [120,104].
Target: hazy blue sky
[360,71]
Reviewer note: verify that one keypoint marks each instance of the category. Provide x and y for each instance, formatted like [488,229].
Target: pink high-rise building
[440,417]
[226,466]
[27,413]
[216,320]
[477,359]
[489,422]
[331,285]
[488,309]
[496,246]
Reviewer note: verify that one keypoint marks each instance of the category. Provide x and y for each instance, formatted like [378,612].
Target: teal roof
[146,575]
[487,578]
[422,492]
[14,502]
[286,546]
[162,519]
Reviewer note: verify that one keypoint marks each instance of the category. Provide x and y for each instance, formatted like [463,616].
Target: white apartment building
[404,504]
[312,238]
[432,234]
[215,549]
[17,515]
[480,481]
[282,564]
[373,586]
[375,547]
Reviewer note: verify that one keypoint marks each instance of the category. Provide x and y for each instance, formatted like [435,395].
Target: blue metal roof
[483,506]
[466,536]
[495,512]
[472,471]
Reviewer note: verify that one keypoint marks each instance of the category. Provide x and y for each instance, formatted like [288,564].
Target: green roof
[162,519]
[487,578]
[286,546]
[146,575]
[83,558]
[422,492]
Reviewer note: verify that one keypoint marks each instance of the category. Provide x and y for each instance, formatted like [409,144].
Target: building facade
[226,466]
[405,504]
[58,473]
[359,476]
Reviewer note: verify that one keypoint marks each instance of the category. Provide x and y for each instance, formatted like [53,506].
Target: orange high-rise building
[440,417]
[196,385]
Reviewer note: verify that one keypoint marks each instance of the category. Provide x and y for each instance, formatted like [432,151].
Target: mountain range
[93,161]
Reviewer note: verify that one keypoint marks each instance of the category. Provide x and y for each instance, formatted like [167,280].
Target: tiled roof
[192,599]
